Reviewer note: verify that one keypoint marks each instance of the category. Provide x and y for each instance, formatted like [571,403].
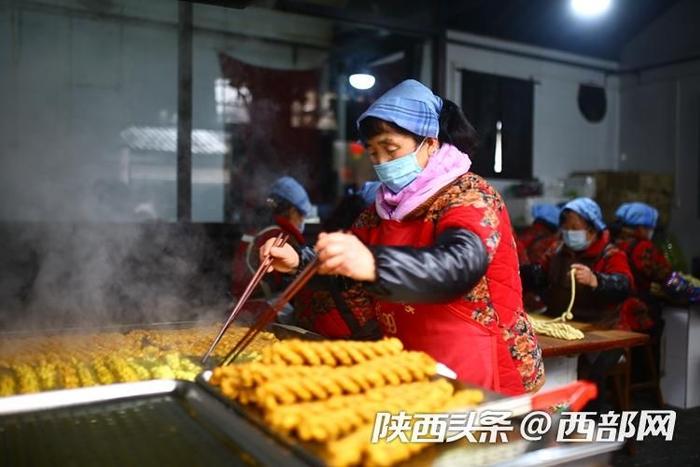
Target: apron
[475,352]
[446,331]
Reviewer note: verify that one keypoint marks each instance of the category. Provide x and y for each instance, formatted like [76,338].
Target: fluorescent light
[361,80]
[498,154]
[590,8]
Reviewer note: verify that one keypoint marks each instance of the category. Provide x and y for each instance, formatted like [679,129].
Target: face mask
[399,173]
[575,239]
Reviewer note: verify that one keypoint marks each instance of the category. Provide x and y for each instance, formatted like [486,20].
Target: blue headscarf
[588,209]
[637,214]
[546,212]
[410,105]
[290,190]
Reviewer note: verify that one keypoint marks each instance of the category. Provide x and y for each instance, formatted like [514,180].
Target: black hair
[455,129]
[616,227]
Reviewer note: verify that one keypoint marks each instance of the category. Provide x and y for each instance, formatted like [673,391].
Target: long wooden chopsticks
[269,315]
[257,277]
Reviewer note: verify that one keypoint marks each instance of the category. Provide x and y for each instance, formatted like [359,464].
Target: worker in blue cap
[536,244]
[637,222]
[542,237]
[653,273]
[604,281]
[288,205]
[325,309]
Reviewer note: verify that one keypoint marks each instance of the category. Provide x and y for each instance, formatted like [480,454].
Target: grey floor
[683,450]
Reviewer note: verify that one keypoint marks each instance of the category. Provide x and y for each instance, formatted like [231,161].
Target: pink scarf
[443,167]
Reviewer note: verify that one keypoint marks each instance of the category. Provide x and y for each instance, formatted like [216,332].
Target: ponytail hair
[456,130]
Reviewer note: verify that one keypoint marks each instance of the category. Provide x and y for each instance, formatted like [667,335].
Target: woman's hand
[344,254]
[584,275]
[284,258]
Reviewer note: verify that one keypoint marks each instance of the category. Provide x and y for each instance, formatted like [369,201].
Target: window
[231,102]
[500,109]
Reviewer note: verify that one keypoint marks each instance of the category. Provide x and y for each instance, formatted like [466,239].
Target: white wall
[74,74]
[660,112]
[563,141]
[670,37]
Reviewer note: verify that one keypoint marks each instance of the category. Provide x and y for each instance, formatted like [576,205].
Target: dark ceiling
[550,23]
[546,23]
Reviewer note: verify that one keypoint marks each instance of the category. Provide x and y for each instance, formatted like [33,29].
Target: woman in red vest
[434,259]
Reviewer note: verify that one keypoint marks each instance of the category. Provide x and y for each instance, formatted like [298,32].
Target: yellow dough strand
[558,327]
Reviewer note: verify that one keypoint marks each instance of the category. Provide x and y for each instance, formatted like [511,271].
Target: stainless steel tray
[312,452]
[516,451]
[155,423]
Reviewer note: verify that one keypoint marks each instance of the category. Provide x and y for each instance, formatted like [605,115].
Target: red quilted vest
[483,336]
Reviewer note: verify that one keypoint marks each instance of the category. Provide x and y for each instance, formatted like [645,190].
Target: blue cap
[368,192]
[588,209]
[410,105]
[546,212]
[637,214]
[290,190]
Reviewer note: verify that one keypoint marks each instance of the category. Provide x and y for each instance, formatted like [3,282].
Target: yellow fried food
[254,373]
[85,375]
[330,353]
[391,370]
[46,371]
[338,416]
[356,448]
[68,376]
[7,384]
[27,380]
[39,363]
[331,392]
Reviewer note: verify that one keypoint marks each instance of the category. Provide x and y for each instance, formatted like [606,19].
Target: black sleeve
[317,282]
[439,273]
[533,276]
[613,287]
[306,255]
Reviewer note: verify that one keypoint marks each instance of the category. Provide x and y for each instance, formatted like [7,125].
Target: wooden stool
[621,375]
[652,384]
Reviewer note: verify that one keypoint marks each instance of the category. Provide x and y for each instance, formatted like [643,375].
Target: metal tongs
[257,277]
[269,315]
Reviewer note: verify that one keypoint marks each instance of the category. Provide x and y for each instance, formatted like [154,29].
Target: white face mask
[577,240]
[399,173]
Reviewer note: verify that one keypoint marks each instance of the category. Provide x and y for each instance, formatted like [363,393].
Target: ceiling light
[361,80]
[590,8]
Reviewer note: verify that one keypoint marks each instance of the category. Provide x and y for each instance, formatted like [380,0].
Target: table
[561,356]
[594,340]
